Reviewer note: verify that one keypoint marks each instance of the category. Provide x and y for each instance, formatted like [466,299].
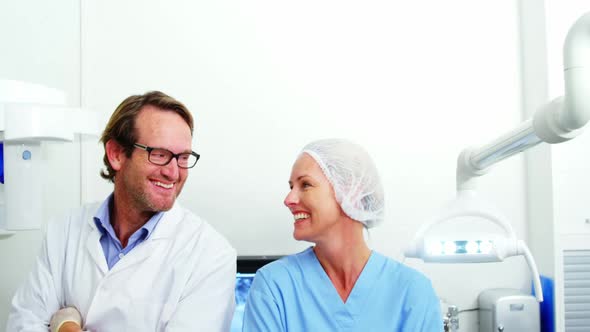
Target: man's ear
[115,153]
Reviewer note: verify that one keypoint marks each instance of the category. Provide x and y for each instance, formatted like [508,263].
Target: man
[138,261]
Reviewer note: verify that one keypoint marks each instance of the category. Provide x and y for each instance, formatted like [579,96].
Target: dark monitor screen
[246,267]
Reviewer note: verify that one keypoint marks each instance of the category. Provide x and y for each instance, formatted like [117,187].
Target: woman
[339,284]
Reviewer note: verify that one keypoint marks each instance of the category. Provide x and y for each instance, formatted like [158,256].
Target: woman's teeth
[298,216]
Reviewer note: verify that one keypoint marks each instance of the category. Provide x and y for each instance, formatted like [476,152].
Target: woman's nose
[291,199]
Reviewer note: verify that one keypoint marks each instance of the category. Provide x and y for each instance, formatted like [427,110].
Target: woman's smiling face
[311,201]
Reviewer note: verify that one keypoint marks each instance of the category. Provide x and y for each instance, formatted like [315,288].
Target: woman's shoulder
[400,272]
[287,267]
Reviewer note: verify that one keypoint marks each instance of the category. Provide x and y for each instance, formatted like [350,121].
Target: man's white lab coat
[182,278]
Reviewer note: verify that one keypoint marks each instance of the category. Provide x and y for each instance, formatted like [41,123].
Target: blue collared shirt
[111,246]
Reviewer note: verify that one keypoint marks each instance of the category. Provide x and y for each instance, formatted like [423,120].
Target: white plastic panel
[27,122]
[23,186]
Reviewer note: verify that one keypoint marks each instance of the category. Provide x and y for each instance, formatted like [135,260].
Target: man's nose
[171,170]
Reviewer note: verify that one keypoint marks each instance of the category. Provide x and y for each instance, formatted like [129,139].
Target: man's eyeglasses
[162,157]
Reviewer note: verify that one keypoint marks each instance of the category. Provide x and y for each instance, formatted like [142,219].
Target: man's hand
[66,320]
[70,327]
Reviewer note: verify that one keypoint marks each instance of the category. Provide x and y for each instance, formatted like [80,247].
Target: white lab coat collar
[164,230]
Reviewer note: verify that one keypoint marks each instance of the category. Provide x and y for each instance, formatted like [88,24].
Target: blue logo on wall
[27,155]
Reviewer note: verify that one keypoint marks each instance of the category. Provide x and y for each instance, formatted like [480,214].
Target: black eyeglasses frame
[173,155]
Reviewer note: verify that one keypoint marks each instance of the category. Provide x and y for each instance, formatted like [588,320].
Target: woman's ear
[116,154]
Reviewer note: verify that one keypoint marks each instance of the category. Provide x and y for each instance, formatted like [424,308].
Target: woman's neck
[343,259]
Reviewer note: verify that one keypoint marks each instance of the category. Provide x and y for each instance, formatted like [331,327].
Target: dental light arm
[558,121]
[524,249]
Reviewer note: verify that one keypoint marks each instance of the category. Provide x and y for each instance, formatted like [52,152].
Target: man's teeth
[163,185]
[300,216]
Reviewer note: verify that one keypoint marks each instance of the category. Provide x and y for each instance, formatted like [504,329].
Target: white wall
[40,44]
[414,82]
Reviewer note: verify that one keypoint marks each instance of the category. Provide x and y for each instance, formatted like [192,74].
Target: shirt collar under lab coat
[103,220]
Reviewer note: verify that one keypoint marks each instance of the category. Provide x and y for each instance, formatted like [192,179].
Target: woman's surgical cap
[354,177]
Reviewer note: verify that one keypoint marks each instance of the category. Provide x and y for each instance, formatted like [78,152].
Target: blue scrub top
[295,294]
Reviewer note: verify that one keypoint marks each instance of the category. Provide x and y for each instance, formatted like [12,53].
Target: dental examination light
[557,121]
[472,249]
[31,114]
